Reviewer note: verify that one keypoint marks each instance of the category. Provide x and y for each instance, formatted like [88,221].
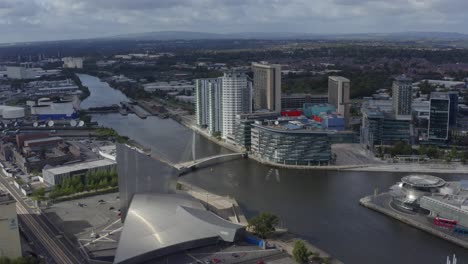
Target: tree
[300,252]
[38,194]
[263,224]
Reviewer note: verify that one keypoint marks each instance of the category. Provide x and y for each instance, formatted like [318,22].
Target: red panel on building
[291,113]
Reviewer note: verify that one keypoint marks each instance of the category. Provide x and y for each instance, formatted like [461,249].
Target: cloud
[24,20]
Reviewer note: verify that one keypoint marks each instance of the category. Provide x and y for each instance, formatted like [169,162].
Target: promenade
[382,203]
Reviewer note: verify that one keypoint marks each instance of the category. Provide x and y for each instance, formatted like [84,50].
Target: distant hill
[190,35]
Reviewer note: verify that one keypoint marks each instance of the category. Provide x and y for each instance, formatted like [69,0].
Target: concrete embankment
[411,220]
[286,241]
[229,209]
[223,206]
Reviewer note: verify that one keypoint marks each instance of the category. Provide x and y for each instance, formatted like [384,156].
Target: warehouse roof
[81,166]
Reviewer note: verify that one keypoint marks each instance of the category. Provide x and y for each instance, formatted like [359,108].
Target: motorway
[59,250]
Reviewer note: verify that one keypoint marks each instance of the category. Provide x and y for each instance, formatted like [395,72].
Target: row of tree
[432,152]
[20,260]
[92,180]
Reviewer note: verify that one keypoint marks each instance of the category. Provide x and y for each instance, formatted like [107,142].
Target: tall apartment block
[10,245]
[267,86]
[453,108]
[439,116]
[402,94]
[208,107]
[236,99]
[338,95]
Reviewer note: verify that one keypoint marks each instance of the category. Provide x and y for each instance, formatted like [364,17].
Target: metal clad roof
[160,224]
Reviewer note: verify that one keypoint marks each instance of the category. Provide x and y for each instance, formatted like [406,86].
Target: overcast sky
[28,20]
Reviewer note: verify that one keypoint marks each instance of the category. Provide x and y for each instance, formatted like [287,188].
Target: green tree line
[92,180]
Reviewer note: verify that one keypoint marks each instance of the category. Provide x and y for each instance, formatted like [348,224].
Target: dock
[136,109]
[381,203]
[222,206]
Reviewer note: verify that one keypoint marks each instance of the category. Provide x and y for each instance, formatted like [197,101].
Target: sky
[37,20]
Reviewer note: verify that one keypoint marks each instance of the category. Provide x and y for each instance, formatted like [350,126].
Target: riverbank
[382,204]
[453,168]
[229,209]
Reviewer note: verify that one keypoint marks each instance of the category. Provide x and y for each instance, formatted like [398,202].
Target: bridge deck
[192,163]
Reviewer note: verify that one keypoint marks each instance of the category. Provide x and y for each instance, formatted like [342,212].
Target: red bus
[444,222]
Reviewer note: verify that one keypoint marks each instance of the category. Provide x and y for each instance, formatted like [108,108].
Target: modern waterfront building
[266,86]
[158,220]
[407,193]
[201,101]
[291,142]
[158,225]
[338,95]
[297,101]
[402,96]
[56,175]
[244,123]
[140,173]
[439,116]
[451,207]
[379,127]
[10,245]
[208,107]
[236,99]
[434,197]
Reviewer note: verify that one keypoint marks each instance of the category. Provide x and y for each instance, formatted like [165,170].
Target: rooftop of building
[296,125]
[440,96]
[5,197]
[426,181]
[300,95]
[160,224]
[403,78]
[338,78]
[41,140]
[80,166]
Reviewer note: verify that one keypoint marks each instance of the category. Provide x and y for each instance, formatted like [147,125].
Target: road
[50,238]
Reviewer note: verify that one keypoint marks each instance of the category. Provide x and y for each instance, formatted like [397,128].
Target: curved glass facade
[291,147]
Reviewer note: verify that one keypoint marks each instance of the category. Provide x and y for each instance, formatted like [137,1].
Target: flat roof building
[297,100]
[10,245]
[56,175]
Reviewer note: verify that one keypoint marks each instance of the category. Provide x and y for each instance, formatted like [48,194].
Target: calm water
[320,206]
[101,93]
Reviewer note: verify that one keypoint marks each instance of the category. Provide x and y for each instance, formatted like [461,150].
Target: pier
[382,204]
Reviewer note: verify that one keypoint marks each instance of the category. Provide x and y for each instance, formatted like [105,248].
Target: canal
[320,206]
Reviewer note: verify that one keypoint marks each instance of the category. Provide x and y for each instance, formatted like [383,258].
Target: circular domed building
[407,193]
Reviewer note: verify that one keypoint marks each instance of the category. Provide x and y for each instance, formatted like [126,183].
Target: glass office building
[291,144]
[439,116]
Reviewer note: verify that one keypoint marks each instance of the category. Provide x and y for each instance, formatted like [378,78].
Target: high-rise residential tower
[10,245]
[338,95]
[208,106]
[267,86]
[236,99]
[402,94]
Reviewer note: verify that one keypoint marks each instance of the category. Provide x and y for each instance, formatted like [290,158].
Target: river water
[321,206]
